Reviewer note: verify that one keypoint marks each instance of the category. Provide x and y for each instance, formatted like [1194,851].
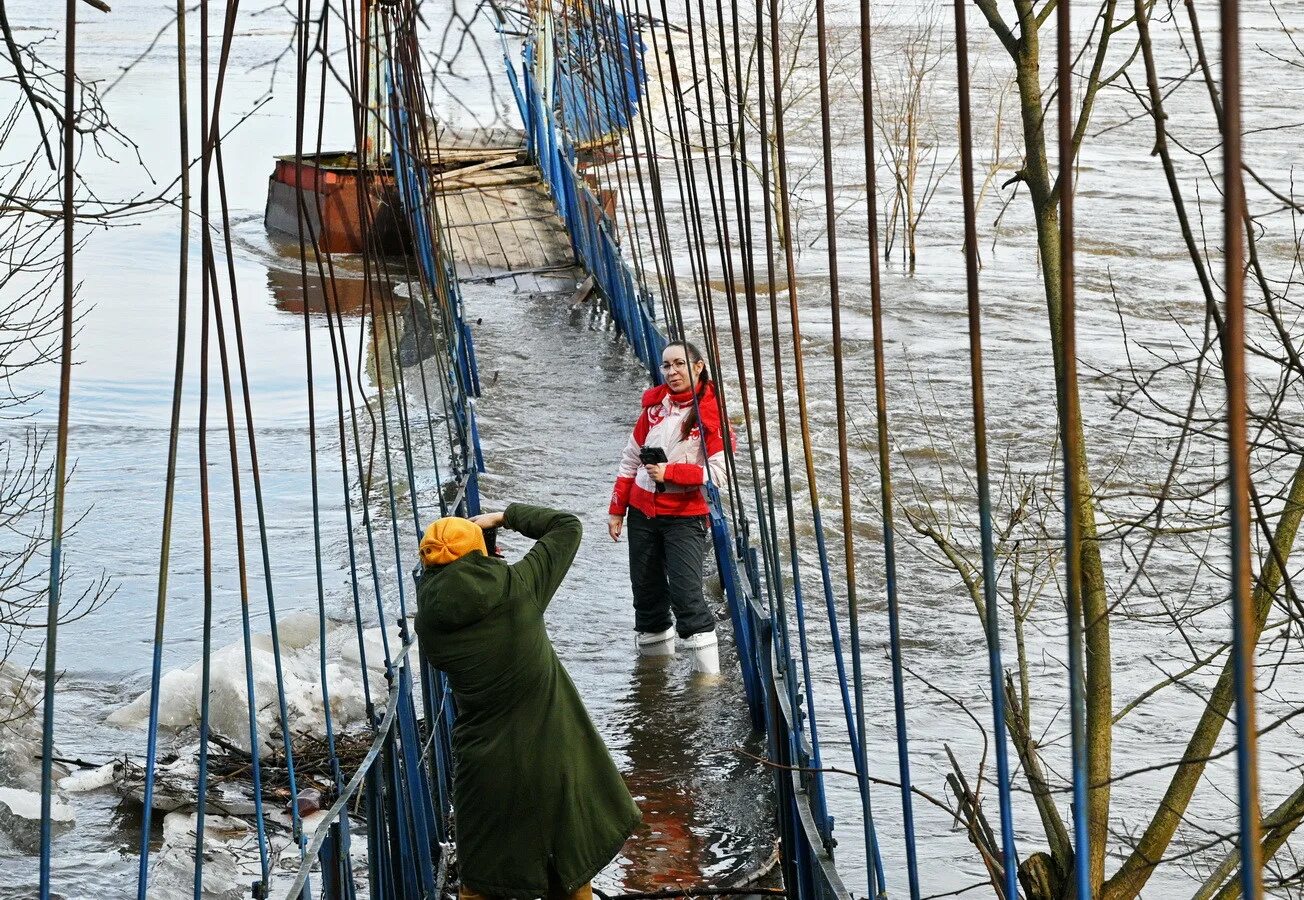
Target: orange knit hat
[451,538]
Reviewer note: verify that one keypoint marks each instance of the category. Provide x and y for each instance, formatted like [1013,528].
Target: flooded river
[561,391]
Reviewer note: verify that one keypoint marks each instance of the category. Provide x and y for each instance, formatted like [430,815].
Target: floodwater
[560,391]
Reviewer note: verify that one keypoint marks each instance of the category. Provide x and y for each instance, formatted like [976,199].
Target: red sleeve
[620,496]
[687,474]
[642,427]
[629,464]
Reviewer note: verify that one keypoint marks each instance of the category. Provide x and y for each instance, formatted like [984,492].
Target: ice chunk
[231,860]
[178,703]
[20,735]
[298,630]
[20,817]
[301,666]
[91,779]
[228,695]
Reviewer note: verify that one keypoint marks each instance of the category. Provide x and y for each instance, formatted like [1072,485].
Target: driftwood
[230,774]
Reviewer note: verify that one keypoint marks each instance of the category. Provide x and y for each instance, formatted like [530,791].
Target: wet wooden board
[495,208]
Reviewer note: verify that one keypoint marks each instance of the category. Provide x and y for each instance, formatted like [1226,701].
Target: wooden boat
[324,188]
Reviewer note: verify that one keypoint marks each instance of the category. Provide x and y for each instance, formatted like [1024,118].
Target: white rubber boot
[705,652]
[656,643]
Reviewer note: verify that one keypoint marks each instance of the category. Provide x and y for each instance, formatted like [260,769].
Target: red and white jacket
[661,424]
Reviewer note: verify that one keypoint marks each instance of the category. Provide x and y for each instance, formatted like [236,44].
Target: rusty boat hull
[324,190]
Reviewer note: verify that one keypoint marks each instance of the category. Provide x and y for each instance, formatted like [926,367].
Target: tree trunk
[1140,865]
[1099,689]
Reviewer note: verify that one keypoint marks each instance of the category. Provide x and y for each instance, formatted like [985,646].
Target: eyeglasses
[677,364]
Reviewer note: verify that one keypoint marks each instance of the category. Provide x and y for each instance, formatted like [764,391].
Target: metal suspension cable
[415,286]
[855,720]
[241,567]
[724,236]
[61,448]
[742,206]
[1243,613]
[1070,419]
[685,184]
[418,293]
[655,218]
[416,146]
[255,470]
[706,307]
[339,356]
[420,149]
[782,636]
[667,277]
[232,10]
[204,505]
[419,815]
[886,496]
[627,45]
[339,351]
[790,274]
[378,319]
[990,597]
[384,316]
[404,87]
[767,516]
[339,360]
[174,428]
[686,179]
[409,813]
[331,298]
[671,300]
[301,84]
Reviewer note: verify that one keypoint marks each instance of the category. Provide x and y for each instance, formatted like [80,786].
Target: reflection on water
[668,849]
[698,827]
[349,295]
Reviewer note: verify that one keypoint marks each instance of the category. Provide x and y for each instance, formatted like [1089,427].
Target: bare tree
[31,268]
[800,106]
[1153,505]
[909,125]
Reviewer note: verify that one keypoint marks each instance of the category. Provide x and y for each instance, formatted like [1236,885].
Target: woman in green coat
[540,807]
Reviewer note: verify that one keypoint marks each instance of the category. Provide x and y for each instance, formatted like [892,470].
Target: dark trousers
[665,569]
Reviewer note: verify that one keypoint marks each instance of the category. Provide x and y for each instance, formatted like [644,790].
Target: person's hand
[657,471]
[488,520]
[614,526]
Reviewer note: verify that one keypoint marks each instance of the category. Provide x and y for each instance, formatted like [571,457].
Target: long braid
[703,382]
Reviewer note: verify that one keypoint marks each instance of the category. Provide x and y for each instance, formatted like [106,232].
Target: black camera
[491,542]
[651,456]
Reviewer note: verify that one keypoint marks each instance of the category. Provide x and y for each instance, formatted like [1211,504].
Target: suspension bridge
[650,164]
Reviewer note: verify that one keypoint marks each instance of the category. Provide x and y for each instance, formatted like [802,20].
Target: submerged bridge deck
[495,206]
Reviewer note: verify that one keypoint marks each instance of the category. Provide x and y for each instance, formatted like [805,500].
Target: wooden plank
[583,293]
[481,180]
[493,162]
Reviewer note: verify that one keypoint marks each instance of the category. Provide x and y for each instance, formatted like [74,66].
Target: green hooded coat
[534,787]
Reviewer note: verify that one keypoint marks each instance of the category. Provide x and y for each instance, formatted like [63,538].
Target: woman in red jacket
[666,505]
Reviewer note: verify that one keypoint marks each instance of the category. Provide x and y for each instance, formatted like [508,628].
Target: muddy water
[553,420]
